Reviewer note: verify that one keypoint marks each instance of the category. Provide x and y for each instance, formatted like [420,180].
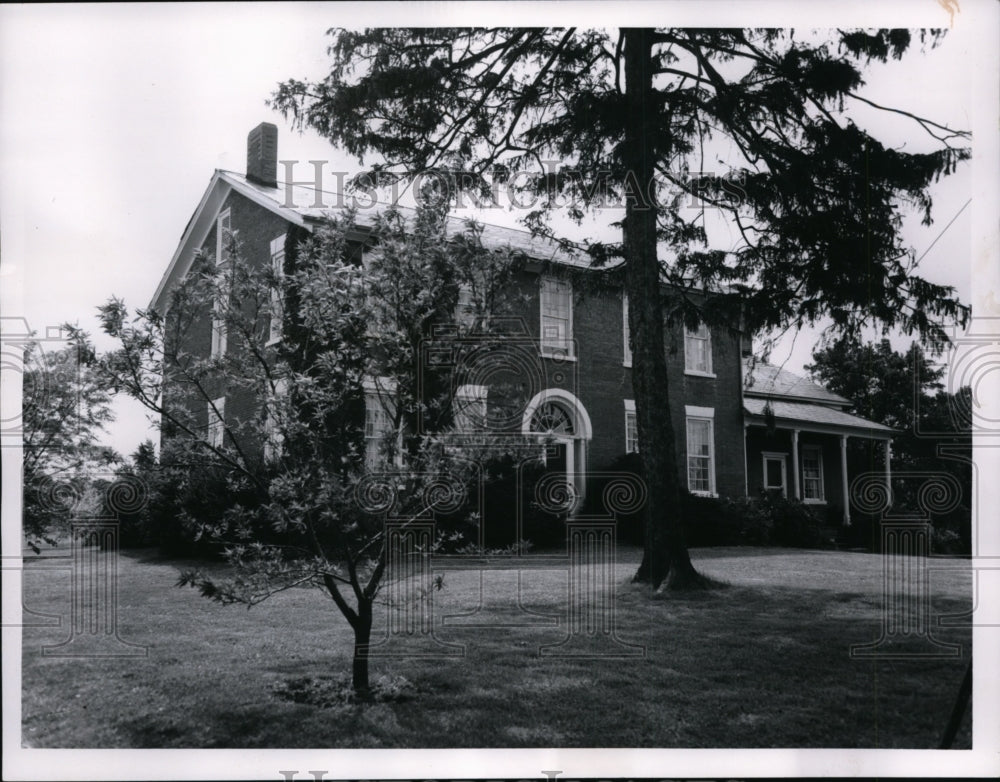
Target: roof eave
[820,428]
[201,222]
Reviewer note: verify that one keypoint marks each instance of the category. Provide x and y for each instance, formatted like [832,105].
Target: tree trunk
[362,639]
[665,559]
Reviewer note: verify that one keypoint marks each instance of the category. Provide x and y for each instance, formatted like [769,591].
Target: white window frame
[376,397]
[631,423]
[547,286]
[275,307]
[373,441]
[779,456]
[702,333]
[215,432]
[700,415]
[470,408]
[626,334]
[222,234]
[818,451]
[274,439]
[220,337]
[465,307]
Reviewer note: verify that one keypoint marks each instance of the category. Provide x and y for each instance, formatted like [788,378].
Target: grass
[763,662]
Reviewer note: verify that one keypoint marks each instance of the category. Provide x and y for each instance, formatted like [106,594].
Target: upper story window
[278,271]
[216,422]
[470,408]
[378,427]
[556,304]
[219,333]
[700,449]
[626,333]
[698,351]
[631,428]
[274,438]
[223,236]
[812,473]
[465,308]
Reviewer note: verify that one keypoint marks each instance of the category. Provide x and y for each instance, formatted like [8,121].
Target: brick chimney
[262,155]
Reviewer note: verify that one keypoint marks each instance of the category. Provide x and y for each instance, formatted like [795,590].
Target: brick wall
[759,440]
[602,382]
[256,227]
[598,376]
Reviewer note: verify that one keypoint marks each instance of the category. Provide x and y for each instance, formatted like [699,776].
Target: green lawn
[763,662]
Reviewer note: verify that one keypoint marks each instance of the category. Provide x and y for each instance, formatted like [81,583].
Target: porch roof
[815,418]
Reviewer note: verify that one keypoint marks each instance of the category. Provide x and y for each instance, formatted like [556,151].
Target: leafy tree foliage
[634,117]
[290,483]
[64,411]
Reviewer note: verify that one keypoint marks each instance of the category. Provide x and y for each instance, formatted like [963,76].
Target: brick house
[579,390]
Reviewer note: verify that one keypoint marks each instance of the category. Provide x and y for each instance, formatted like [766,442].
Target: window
[470,408]
[626,334]
[378,425]
[216,422]
[700,450]
[278,271]
[273,436]
[219,336]
[557,317]
[223,236]
[775,476]
[631,428]
[465,309]
[812,473]
[698,351]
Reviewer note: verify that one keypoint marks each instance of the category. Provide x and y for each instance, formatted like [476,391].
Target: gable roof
[297,204]
[766,380]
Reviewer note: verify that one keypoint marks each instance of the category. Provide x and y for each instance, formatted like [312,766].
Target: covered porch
[801,450]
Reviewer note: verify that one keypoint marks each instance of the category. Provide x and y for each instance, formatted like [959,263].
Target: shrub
[793,522]
[504,499]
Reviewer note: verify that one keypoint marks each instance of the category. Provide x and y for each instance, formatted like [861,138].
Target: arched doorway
[560,422]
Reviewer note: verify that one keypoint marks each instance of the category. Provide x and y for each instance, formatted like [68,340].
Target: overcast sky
[113,118]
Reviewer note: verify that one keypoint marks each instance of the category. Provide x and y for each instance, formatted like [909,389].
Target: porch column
[796,494]
[843,479]
[888,470]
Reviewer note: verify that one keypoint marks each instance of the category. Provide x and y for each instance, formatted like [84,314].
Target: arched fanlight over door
[551,418]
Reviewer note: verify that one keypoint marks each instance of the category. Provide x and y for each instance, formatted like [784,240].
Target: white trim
[470,391]
[630,413]
[202,222]
[378,384]
[547,351]
[471,408]
[582,422]
[220,240]
[818,450]
[275,301]
[215,432]
[220,336]
[688,370]
[576,446]
[844,493]
[709,418]
[752,419]
[693,411]
[626,348]
[796,483]
[783,456]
